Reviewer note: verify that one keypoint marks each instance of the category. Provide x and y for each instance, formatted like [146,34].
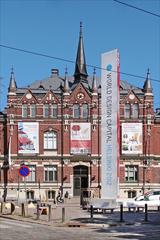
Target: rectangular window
[51,194]
[32,110]
[132,194]
[85,111]
[135,111]
[76,111]
[46,110]
[131,173]
[50,173]
[30,195]
[127,112]
[24,110]
[50,140]
[54,111]
[32,175]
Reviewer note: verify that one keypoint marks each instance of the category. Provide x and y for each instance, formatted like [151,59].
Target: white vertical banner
[110,124]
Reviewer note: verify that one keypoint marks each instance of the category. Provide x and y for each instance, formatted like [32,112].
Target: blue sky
[52,27]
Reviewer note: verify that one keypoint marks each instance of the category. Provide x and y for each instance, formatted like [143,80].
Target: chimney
[54,72]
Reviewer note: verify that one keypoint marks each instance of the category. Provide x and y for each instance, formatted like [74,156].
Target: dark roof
[54,83]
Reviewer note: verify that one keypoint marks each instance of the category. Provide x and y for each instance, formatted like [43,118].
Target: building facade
[53,126]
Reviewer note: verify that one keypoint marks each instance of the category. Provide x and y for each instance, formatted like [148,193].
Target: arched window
[127,110]
[50,140]
[85,111]
[76,111]
[135,110]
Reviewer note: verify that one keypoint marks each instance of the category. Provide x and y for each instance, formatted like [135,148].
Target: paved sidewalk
[75,216]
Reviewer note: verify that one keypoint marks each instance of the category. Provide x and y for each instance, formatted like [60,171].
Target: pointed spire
[12,85]
[66,83]
[80,66]
[147,85]
[94,83]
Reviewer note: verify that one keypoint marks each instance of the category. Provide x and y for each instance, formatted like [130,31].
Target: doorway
[80,179]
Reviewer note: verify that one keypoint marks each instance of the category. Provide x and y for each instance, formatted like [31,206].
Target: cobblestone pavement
[16,230]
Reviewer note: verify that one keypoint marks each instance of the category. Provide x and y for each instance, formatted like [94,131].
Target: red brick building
[41,124]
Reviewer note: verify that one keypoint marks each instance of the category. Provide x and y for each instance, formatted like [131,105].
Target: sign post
[24,172]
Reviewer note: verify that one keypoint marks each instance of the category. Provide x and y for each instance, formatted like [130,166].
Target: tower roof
[147,85]
[12,84]
[66,83]
[80,73]
[94,83]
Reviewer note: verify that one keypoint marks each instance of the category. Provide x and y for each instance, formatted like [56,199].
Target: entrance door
[80,179]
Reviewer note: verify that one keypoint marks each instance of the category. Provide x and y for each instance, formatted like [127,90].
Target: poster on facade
[132,138]
[110,85]
[80,138]
[28,137]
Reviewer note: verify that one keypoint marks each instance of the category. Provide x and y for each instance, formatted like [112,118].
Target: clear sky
[52,27]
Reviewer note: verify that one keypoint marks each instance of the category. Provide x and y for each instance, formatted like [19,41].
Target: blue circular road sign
[24,171]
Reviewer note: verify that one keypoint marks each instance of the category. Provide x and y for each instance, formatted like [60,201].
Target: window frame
[32,174]
[33,109]
[24,110]
[85,111]
[50,169]
[50,140]
[76,111]
[46,108]
[131,171]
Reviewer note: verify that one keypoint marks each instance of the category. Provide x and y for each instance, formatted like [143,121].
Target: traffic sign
[24,171]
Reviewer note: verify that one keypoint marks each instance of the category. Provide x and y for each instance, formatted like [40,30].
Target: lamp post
[146,160]
[7,163]
[61,187]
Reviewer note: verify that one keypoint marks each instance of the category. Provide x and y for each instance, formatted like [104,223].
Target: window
[50,173]
[127,110]
[51,194]
[131,173]
[132,194]
[76,111]
[32,110]
[24,110]
[32,175]
[54,111]
[135,110]
[50,140]
[30,195]
[46,110]
[85,110]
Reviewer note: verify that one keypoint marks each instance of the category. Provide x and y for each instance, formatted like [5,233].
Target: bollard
[23,210]
[1,207]
[146,213]
[49,212]
[63,214]
[38,211]
[12,208]
[91,212]
[121,213]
